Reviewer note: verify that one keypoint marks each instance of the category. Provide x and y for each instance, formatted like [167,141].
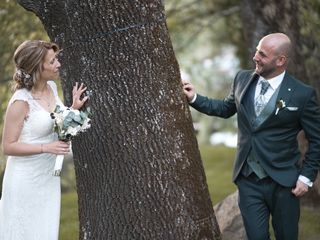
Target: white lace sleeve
[54,88]
[20,95]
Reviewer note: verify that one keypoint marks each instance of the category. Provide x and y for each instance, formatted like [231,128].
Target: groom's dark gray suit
[275,139]
[271,137]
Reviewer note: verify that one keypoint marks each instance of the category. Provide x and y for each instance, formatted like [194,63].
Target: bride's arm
[13,124]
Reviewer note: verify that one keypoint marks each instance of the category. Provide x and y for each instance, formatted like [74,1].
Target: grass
[218,162]
[309,224]
[69,223]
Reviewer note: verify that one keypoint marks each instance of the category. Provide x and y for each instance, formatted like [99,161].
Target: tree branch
[33,6]
[178,9]
[210,14]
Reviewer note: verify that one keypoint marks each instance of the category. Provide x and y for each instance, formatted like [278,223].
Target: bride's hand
[77,103]
[56,147]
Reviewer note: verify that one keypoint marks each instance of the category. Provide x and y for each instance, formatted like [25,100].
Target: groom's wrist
[305,180]
[193,99]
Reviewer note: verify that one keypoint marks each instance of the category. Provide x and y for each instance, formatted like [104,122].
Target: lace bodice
[38,126]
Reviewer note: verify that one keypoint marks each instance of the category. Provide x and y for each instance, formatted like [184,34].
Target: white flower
[86,124]
[58,119]
[73,130]
[65,112]
[280,104]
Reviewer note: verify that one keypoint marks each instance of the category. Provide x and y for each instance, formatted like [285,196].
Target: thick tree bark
[139,171]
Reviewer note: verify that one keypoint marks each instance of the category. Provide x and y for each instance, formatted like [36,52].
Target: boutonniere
[280,104]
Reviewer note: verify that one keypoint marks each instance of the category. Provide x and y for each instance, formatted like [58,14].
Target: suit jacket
[275,139]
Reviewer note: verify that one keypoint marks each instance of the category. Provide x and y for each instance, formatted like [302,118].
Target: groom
[272,107]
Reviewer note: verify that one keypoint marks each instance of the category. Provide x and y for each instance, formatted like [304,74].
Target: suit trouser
[260,198]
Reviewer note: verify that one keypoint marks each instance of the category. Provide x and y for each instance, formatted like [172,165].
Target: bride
[30,203]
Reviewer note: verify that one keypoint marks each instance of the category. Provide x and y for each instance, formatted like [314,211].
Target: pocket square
[292,108]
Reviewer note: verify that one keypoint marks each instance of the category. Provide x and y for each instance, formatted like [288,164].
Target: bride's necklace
[46,102]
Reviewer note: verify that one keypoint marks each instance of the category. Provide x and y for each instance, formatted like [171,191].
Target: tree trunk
[139,171]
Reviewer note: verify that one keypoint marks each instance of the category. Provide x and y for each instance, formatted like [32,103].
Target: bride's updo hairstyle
[28,59]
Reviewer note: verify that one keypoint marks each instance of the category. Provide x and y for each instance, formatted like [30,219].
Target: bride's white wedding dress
[30,203]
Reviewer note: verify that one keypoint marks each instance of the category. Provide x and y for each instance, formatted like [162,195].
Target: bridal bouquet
[67,124]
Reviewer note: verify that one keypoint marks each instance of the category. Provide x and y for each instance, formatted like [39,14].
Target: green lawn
[69,224]
[218,161]
[218,164]
[310,224]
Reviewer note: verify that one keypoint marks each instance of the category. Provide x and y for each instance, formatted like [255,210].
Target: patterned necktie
[260,100]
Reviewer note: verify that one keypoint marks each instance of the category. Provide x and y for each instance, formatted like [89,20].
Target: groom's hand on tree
[188,90]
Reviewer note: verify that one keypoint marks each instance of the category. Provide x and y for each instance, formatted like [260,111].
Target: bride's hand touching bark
[77,91]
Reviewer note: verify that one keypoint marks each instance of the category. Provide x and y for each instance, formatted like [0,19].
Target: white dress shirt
[274,84]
